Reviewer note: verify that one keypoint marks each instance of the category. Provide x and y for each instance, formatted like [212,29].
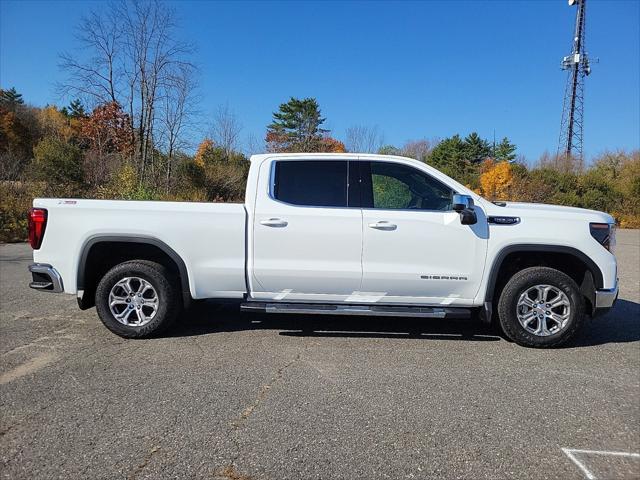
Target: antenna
[578,67]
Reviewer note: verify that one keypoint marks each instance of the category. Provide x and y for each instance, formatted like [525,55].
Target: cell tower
[577,64]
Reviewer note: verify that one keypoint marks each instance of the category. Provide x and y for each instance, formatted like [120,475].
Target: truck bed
[210,237]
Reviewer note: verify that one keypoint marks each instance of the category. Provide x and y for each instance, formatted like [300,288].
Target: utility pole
[578,67]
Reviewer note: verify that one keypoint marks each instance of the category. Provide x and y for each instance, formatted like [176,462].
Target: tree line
[128,133]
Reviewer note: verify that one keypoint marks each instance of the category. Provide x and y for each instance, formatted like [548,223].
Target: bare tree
[153,54]
[226,129]
[178,109]
[560,162]
[96,77]
[130,55]
[418,149]
[364,139]
[254,145]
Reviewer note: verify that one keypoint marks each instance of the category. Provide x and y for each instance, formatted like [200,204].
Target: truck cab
[362,230]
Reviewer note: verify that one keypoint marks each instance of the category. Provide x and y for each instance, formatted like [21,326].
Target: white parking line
[569,452]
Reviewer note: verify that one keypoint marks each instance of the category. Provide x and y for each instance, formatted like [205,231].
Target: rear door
[307,241]
[415,250]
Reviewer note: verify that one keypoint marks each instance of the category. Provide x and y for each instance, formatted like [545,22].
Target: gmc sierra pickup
[342,234]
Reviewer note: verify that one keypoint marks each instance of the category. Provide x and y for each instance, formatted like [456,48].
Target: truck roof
[328,156]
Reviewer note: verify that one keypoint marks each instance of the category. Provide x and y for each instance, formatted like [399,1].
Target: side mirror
[462,202]
[468,217]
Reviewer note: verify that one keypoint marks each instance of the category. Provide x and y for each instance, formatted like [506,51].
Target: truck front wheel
[541,307]
[137,299]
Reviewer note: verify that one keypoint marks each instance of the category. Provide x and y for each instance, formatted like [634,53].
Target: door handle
[274,222]
[383,225]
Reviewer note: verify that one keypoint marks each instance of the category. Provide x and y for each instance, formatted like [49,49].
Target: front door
[307,233]
[415,250]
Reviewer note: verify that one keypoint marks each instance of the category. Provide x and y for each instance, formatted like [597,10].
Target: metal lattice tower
[577,65]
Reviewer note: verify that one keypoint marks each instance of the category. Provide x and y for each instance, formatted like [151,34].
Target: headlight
[605,234]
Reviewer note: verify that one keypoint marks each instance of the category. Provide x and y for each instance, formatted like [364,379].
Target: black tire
[161,279]
[523,281]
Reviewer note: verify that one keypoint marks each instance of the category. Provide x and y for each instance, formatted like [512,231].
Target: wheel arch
[592,276]
[85,283]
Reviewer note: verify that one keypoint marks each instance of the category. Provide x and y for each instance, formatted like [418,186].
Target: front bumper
[604,299]
[45,278]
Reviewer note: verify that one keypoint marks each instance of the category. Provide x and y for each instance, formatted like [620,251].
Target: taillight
[604,233]
[37,224]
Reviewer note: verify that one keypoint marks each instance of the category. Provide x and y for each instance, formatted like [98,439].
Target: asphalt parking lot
[244,396]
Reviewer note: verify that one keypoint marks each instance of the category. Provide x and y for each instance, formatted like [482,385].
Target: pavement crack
[262,393]
[144,463]
[229,471]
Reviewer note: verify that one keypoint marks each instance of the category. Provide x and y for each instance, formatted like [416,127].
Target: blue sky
[415,69]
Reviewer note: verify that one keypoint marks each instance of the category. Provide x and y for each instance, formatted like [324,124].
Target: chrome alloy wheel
[133,301]
[543,310]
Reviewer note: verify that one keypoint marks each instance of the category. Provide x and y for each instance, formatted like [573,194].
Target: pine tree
[449,156]
[74,110]
[296,127]
[505,151]
[11,98]
[460,158]
[476,148]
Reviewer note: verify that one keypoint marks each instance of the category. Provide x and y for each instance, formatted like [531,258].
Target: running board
[369,310]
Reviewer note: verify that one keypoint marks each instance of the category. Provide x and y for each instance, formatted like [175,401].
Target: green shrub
[125,186]
[15,200]
[214,176]
[57,162]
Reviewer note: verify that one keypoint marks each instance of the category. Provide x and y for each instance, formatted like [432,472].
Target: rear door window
[311,183]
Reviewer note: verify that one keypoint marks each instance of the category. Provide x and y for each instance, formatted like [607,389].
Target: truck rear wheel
[138,299]
[541,307]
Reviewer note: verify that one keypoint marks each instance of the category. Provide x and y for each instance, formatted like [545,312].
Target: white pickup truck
[342,234]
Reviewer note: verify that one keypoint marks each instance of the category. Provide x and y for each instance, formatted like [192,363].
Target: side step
[369,310]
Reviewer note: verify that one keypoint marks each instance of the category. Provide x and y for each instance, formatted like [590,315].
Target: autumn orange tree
[13,134]
[108,129]
[108,138]
[331,145]
[204,151]
[53,123]
[277,141]
[496,180]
